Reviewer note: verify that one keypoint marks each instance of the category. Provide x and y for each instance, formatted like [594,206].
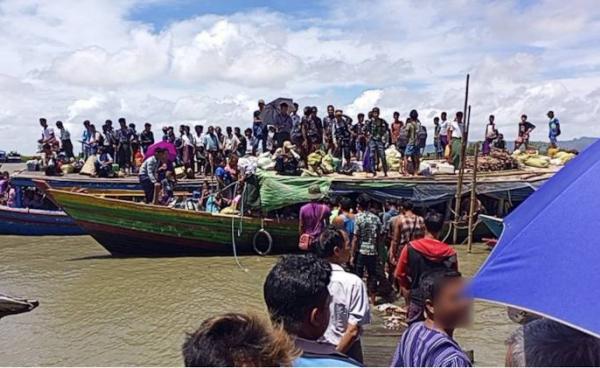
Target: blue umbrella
[547,260]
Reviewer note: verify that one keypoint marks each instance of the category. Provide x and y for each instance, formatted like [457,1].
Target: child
[167,185]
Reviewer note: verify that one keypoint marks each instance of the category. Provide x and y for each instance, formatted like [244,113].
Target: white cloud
[81,60]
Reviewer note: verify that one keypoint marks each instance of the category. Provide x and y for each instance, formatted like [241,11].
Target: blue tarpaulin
[547,260]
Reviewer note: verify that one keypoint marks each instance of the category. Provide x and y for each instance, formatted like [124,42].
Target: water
[104,311]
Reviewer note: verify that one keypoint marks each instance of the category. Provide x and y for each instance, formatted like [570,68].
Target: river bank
[103,311]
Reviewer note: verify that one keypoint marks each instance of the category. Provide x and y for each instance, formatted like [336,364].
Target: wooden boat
[494,224]
[25,221]
[138,229]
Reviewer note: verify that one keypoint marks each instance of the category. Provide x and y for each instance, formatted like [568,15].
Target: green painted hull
[129,228]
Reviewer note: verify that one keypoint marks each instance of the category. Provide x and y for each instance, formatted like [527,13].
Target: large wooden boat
[138,229]
[25,221]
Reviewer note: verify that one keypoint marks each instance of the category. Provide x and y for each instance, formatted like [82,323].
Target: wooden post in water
[473,199]
[461,166]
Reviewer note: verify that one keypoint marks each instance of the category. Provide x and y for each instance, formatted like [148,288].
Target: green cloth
[456,147]
[278,191]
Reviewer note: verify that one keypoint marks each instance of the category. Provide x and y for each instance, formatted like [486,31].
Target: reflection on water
[98,310]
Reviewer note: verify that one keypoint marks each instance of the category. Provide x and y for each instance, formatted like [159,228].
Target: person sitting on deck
[420,256]
[149,174]
[104,163]
[297,296]
[430,343]
[238,340]
[349,309]
[167,186]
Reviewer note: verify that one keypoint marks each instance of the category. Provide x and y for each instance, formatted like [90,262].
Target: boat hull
[135,229]
[494,224]
[20,221]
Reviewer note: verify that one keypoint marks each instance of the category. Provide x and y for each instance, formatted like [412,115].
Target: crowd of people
[199,148]
[319,304]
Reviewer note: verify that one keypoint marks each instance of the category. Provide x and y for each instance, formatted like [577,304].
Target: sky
[208,62]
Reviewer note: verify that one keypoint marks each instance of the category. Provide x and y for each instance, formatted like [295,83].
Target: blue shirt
[553,125]
[421,346]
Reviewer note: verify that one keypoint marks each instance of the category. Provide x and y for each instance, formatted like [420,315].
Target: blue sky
[168,62]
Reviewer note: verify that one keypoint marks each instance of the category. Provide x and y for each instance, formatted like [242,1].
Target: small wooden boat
[139,229]
[494,224]
[25,221]
[12,305]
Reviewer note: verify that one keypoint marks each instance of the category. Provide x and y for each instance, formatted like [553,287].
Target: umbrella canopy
[170,147]
[272,109]
[547,258]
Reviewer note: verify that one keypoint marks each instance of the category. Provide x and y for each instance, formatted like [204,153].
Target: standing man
[313,218]
[377,131]
[110,142]
[65,140]
[417,258]
[343,137]
[491,133]
[309,130]
[439,151]
[319,123]
[367,232]
[123,136]
[430,343]
[413,126]
[259,129]
[444,125]
[85,139]
[283,125]
[349,309]
[455,132]
[406,228]
[395,128]
[149,174]
[211,144]
[553,129]
[358,132]
[47,134]
[146,137]
[525,129]
[328,122]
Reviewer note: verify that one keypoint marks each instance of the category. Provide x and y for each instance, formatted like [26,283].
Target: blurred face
[551,115]
[261,106]
[375,113]
[330,110]
[491,119]
[396,116]
[444,116]
[451,308]
[523,118]
[284,109]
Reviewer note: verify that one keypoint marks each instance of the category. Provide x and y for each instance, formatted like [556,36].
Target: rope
[234,246]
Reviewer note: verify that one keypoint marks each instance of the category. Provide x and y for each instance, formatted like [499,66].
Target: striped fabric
[423,347]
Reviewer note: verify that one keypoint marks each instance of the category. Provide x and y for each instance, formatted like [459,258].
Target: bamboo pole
[473,199]
[459,184]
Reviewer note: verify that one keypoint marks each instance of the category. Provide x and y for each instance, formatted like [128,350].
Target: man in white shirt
[443,131]
[349,308]
[455,132]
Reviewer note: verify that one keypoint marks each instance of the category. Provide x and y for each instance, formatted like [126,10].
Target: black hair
[247,130]
[235,339]
[408,205]
[459,114]
[363,201]
[328,241]
[346,204]
[147,125]
[413,114]
[283,104]
[122,121]
[43,120]
[433,281]
[549,343]
[334,200]
[294,286]
[58,122]
[328,106]
[434,222]
[361,114]
[524,116]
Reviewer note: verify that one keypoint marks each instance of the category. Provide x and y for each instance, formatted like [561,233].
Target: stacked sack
[393,158]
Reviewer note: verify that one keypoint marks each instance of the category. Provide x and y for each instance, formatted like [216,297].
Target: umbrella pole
[473,199]
[461,166]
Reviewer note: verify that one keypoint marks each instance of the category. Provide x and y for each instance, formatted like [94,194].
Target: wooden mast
[461,165]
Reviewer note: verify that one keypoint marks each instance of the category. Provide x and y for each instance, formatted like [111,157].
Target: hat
[261,101]
[314,192]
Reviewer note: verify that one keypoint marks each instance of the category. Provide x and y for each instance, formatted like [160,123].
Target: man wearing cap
[377,132]
[314,216]
[283,125]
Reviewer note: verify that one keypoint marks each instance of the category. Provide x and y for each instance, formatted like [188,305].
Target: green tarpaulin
[277,191]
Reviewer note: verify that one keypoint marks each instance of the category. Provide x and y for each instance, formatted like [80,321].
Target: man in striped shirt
[430,343]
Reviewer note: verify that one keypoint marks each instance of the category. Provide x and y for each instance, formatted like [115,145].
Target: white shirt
[47,133]
[444,128]
[456,128]
[349,303]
